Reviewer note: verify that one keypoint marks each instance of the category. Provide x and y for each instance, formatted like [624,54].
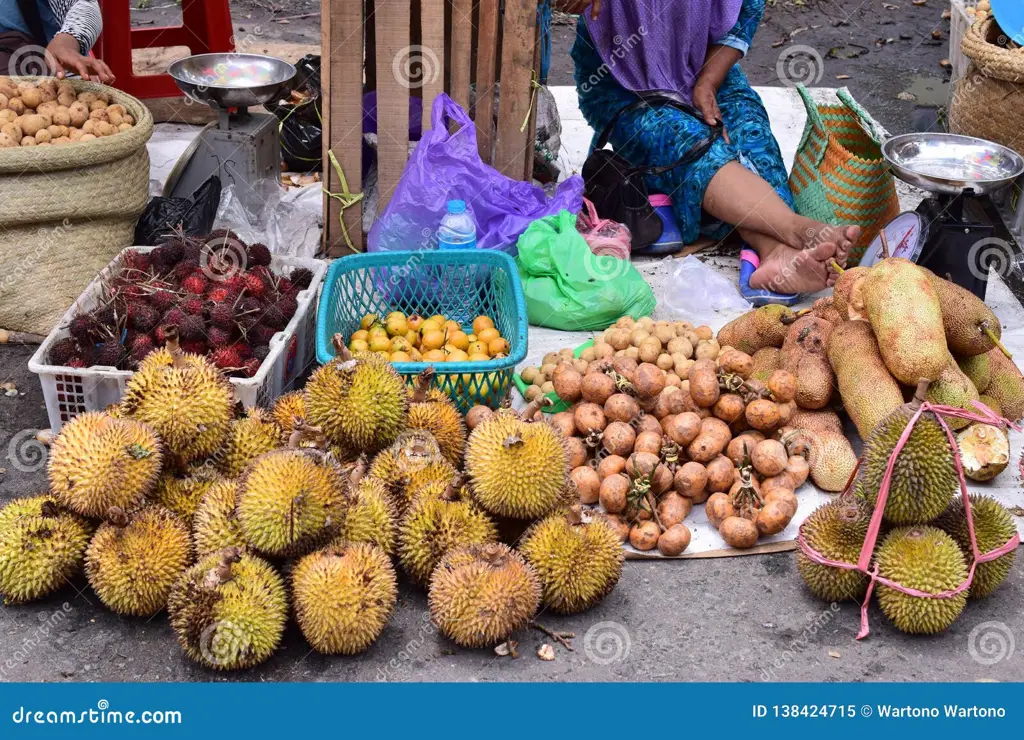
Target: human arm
[576,7]
[80,27]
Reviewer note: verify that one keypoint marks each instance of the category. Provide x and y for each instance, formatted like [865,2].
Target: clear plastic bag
[291,223]
[701,294]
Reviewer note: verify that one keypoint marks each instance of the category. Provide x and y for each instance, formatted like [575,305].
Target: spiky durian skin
[518,469]
[993,527]
[344,596]
[927,559]
[183,495]
[289,408]
[432,527]
[481,594]
[371,517]
[410,452]
[578,564]
[924,479]
[97,462]
[360,404]
[290,502]
[190,408]
[38,552]
[229,625]
[439,416]
[248,438]
[215,525]
[837,531]
[435,474]
[132,568]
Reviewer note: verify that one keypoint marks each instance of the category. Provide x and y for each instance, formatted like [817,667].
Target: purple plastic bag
[447,167]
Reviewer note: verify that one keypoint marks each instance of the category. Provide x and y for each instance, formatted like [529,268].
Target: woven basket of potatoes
[74,178]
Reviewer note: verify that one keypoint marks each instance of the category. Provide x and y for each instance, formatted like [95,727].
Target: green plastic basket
[461,284]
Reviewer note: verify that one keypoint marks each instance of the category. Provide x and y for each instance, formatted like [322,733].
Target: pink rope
[985,415]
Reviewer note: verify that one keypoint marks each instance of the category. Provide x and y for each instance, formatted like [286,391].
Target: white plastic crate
[72,391]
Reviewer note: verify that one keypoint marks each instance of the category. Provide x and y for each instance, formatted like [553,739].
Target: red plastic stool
[206,27]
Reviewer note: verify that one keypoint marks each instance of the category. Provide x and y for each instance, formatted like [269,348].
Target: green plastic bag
[570,288]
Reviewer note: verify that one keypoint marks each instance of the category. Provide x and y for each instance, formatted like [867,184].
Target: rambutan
[169,254]
[220,294]
[193,306]
[243,349]
[302,278]
[142,318]
[174,316]
[284,286]
[259,254]
[136,260]
[274,317]
[251,366]
[77,362]
[192,327]
[288,306]
[235,283]
[184,270]
[226,358]
[195,346]
[109,354]
[261,335]
[222,315]
[63,350]
[141,347]
[261,353]
[163,300]
[133,292]
[218,337]
[194,284]
[85,328]
[255,284]
[252,305]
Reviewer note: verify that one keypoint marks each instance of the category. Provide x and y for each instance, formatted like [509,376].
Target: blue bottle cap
[456,206]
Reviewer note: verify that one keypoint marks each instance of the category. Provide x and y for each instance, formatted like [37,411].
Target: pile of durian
[168,501]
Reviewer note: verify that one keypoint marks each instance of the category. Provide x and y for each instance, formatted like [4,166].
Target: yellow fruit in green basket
[397,326]
[478,348]
[440,318]
[450,327]
[415,321]
[400,357]
[456,355]
[431,325]
[359,345]
[432,339]
[479,357]
[459,339]
[215,525]
[400,344]
[497,347]
[367,321]
[488,335]
[482,322]
[434,355]
[361,334]
[415,355]
[471,337]
[379,343]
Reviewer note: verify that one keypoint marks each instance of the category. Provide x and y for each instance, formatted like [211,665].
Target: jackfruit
[291,501]
[843,289]
[825,420]
[433,411]
[433,526]
[41,547]
[229,610]
[97,462]
[825,308]
[288,409]
[360,402]
[926,559]
[829,456]
[907,320]
[248,438]
[370,517]
[578,560]
[215,524]
[836,531]
[766,361]
[978,369]
[187,401]
[517,469]
[994,406]
[182,494]
[804,355]
[344,596]
[984,451]
[869,392]
[965,318]
[953,388]
[481,594]
[993,528]
[1007,385]
[763,327]
[133,560]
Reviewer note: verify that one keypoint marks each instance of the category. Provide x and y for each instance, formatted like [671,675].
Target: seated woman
[689,50]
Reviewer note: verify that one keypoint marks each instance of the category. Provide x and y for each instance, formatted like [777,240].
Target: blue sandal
[749,261]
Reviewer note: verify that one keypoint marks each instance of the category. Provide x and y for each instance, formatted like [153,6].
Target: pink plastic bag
[604,237]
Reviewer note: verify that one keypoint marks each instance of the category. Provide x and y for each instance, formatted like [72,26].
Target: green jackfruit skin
[963,315]
[432,527]
[927,559]
[41,547]
[344,596]
[924,479]
[993,528]
[132,568]
[953,388]
[578,563]
[837,531]
[215,525]
[978,369]
[1007,385]
[229,615]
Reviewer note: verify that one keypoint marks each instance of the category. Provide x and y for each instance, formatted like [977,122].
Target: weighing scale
[242,147]
[972,221]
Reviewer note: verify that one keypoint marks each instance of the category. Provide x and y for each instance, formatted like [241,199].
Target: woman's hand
[66,57]
[705,99]
[576,7]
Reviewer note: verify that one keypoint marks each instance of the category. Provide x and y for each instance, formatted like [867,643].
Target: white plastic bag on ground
[698,293]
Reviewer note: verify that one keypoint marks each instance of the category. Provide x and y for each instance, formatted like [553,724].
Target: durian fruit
[344,596]
[578,560]
[187,401]
[229,610]
[953,388]
[766,326]
[411,452]
[924,478]
[837,531]
[289,408]
[926,559]
[291,501]
[433,526]
[41,547]
[993,528]
[481,594]
[433,411]
[248,438]
[968,322]
[133,561]
[370,516]
[215,524]
[984,451]
[97,462]
[182,495]
[869,392]
[1007,385]
[360,402]
[517,469]
[978,368]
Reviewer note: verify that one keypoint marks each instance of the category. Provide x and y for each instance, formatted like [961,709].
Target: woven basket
[987,102]
[839,175]
[65,212]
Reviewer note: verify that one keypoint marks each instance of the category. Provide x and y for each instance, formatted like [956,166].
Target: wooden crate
[419,48]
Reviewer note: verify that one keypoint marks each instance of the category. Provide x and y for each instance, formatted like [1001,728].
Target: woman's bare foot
[788,270]
[843,237]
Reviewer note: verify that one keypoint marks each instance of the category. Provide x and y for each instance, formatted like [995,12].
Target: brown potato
[32,124]
[97,105]
[704,332]
[762,415]
[612,493]
[66,99]
[782,384]
[79,114]
[670,401]
[700,498]
[769,457]
[577,452]
[721,473]
[30,96]
[729,407]
[684,428]
[621,407]
[772,519]
[738,532]
[644,536]
[674,540]
[624,366]
[610,465]
[648,442]
[742,445]
[691,479]
[781,482]
[28,141]
[587,484]
[673,508]
[786,411]
[43,137]
[568,383]
[13,131]
[8,116]
[618,439]
[6,142]
[589,417]
[100,114]
[102,128]
[718,509]
[597,388]
[124,127]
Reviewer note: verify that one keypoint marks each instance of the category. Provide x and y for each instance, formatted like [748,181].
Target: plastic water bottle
[457,229]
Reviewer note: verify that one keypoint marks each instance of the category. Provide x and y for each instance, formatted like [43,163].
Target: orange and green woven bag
[839,175]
